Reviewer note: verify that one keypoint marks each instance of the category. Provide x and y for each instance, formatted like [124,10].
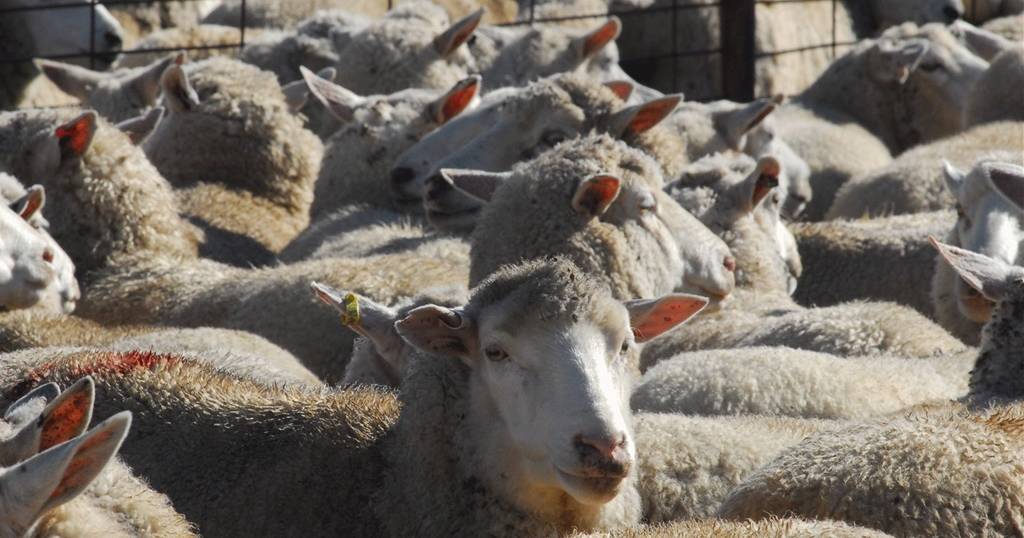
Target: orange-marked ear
[457,34]
[651,113]
[652,317]
[68,416]
[768,171]
[28,205]
[76,135]
[621,88]
[593,42]
[595,194]
[92,452]
[457,100]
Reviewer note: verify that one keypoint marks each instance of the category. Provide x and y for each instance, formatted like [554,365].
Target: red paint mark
[107,363]
[458,101]
[77,134]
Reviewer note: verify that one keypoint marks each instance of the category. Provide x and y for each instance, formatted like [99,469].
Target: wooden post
[736,20]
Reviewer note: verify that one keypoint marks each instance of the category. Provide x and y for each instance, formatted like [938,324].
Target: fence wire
[705,49]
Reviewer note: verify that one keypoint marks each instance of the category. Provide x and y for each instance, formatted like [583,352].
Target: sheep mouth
[591,489]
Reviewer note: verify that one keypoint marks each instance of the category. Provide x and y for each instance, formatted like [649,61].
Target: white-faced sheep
[241,162]
[28,33]
[914,181]
[878,259]
[520,125]
[105,199]
[762,313]
[376,129]
[116,96]
[68,482]
[790,382]
[990,207]
[906,87]
[29,275]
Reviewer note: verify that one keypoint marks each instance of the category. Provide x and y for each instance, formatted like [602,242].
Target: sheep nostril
[402,175]
[951,13]
[48,256]
[730,264]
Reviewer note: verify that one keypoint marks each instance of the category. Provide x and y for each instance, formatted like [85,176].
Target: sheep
[314,44]
[29,33]
[522,124]
[269,14]
[990,212]
[101,497]
[139,128]
[761,312]
[602,206]
[105,198]
[358,157]
[772,528]
[115,96]
[63,292]
[878,259]
[906,87]
[913,182]
[992,98]
[797,383]
[221,40]
[356,429]
[930,472]
[141,20]
[1008,27]
[232,119]
[720,126]
[34,271]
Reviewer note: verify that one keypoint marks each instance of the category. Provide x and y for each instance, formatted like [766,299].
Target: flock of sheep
[569,304]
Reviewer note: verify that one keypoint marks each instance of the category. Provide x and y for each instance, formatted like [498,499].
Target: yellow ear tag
[351,314]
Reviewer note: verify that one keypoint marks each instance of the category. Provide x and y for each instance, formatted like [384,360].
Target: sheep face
[889,13]
[85,28]
[550,354]
[116,96]
[990,209]
[63,293]
[27,273]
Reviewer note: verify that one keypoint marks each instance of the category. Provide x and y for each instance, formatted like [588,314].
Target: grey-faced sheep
[914,181]
[990,219]
[906,87]
[241,162]
[116,96]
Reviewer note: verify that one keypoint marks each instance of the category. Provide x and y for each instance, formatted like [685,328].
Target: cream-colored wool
[225,38]
[913,182]
[771,528]
[1009,27]
[997,96]
[142,20]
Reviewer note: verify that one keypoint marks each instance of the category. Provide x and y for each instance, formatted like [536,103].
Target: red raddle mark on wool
[108,363]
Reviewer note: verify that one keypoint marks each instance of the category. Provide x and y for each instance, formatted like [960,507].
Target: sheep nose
[402,175]
[951,13]
[113,40]
[437,187]
[605,454]
[730,264]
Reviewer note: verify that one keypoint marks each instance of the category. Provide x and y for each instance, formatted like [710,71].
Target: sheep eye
[931,67]
[495,353]
[625,347]
[552,138]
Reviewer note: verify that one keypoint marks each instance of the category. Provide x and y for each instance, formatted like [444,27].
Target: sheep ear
[147,83]
[954,177]
[457,33]
[735,124]
[895,61]
[652,317]
[437,329]
[64,418]
[89,454]
[595,194]
[139,127]
[71,79]
[621,88]
[981,42]
[47,392]
[640,118]
[476,183]
[761,181]
[30,203]
[75,136]
[179,97]
[992,278]
[1008,180]
[340,102]
[592,42]
[364,317]
[463,96]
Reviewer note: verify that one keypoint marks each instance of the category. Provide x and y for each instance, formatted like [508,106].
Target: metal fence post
[737,21]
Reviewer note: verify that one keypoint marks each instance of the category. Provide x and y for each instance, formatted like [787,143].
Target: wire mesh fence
[706,49]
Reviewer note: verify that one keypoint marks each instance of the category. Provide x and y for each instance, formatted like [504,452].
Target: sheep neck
[495,459]
[998,373]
